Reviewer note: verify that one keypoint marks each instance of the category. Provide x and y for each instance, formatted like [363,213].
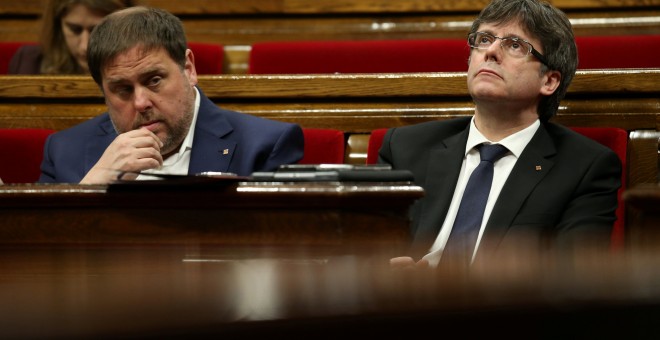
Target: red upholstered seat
[323,146]
[617,140]
[614,138]
[7,50]
[209,58]
[375,141]
[21,152]
[373,56]
[622,51]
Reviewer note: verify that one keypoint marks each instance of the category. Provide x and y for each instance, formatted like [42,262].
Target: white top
[516,143]
[177,164]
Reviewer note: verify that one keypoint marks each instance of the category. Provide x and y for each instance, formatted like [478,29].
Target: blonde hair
[57,58]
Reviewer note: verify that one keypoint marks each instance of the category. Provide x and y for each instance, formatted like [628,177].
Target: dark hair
[57,58]
[148,28]
[547,24]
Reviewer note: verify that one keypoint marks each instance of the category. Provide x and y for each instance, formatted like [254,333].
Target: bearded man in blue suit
[158,120]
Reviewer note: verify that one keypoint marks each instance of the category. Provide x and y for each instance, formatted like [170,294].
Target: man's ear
[552,80]
[189,67]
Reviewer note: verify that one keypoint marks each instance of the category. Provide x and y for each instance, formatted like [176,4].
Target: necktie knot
[492,152]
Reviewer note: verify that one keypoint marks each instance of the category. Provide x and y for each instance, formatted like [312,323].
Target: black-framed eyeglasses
[513,46]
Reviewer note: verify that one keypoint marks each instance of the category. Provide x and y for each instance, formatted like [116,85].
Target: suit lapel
[442,174]
[210,152]
[532,166]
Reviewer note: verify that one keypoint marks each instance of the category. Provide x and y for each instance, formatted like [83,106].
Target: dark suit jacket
[571,198]
[26,60]
[254,144]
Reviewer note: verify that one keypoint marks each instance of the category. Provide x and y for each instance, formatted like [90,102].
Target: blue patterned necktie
[463,237]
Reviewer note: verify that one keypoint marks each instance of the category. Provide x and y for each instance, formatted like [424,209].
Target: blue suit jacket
[562,189]
[253,144]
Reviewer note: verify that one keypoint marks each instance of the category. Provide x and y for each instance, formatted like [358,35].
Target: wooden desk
[343,218]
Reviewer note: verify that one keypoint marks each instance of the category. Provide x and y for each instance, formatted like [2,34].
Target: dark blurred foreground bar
[189,292]
[252,260]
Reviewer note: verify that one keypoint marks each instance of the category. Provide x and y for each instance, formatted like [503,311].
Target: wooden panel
[23,7]
[21,30]
[353,103]
[237,30]
[248,30]
[435,85]
[227,7]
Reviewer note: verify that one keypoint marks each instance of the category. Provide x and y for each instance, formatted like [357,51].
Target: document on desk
[334,172]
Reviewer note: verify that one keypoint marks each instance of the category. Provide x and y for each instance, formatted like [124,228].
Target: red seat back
[617,140]
[375,141]
[7,51]
[323,146]
[373,56]
[623,51]
[209,58]
[21,151]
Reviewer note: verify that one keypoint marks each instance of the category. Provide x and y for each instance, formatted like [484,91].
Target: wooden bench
[237,24]
[358,104]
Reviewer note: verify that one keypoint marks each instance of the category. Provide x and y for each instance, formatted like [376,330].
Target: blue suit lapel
[210,151]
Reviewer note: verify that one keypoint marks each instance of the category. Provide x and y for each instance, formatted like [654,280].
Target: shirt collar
[516,142]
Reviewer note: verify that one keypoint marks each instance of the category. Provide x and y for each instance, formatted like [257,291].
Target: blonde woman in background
[66,26]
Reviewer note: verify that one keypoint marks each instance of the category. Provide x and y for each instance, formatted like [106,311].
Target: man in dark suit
[158,121]
[552,188]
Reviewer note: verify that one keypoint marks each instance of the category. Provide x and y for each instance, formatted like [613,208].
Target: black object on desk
[334,172]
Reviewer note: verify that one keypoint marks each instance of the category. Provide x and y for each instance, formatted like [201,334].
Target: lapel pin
[225,151]
[538,168]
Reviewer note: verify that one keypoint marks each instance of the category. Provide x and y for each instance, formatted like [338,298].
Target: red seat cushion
[373,56]
[21,151]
